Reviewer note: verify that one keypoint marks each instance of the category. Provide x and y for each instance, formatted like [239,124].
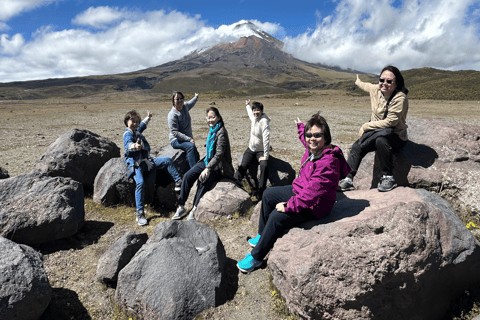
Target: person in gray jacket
[258,150]
[180,125]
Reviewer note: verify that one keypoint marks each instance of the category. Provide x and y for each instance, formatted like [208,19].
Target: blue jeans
[190,150]
[272,224]
[189,179]
[145,179]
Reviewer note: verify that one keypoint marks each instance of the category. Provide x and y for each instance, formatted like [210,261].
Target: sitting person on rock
[311,196]
[180,125]
[139,163]
[385,132]
[258,146]
[216,164]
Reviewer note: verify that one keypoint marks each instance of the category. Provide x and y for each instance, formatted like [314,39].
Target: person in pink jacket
[311,196]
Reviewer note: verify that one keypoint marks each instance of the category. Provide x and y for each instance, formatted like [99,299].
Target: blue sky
[62,38]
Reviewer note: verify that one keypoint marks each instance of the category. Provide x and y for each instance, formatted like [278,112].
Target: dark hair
[217,113]
[319,121]
[175,93]
[130,115]
[398,78]
[257,105]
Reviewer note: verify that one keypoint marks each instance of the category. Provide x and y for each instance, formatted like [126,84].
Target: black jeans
[384,147]
[189,179]
[273,224]
[252,157]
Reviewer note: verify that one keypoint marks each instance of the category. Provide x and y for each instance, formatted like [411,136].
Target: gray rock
[37,208]
[256,213]
[280,173]
[403,254]
[178,157]
[225,198]
[78,154]
[439,155]
[111,186]
[118,256]
[176,274]
[3,173]
[24,288]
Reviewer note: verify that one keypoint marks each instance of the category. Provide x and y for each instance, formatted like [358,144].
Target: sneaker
[346,185]
[141,220]
[253,241]
[178,185]
[191,215]
[248,264]
[387,183]
[181,212]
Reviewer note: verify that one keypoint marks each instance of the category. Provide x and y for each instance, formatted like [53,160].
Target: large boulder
[223,199]
[118,256]
[280,173]
[176,274]
[4,173]
[439,155]
[178,156]
[37,208]
[78,154]
[24,288]
[403,254]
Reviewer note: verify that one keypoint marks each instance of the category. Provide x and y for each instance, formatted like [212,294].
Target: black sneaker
[178,185]
[387,183]
[346,185]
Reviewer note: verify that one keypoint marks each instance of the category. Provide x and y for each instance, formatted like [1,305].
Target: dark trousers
[384,147]
[273,224]
[189,179]
[252,158]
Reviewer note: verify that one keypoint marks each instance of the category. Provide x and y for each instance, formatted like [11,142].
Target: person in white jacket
[258,147]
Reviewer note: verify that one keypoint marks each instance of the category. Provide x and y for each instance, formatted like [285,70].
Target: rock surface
[439,154]
[24,288]
[176,274]
[4,173]
[78,154]
[224,199]
[403,254]
[256,213]
[118,256]
[37,208]
[112,187]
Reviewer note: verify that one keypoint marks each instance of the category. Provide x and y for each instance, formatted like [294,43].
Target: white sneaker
[191,215]
[181,212]
[141,220]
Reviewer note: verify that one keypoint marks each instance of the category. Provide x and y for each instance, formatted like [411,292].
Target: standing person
[180,125]
[139,163]
[385,132]
[216,164]
[258,147]
[311,196]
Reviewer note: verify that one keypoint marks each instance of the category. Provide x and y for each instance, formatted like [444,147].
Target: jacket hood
[337,152]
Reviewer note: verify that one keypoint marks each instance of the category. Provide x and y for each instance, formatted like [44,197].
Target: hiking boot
[141,220]
[248,264]
[253,241]
[387,183]
[346,185]
[178,185]
[181,212]
[191,215]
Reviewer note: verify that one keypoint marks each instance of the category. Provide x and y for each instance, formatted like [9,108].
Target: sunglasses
[389,81]
[317,135]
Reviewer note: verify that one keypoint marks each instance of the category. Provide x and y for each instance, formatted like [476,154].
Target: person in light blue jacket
[180,125]
[139,164]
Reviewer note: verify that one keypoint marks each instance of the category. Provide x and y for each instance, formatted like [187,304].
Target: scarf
[211,141]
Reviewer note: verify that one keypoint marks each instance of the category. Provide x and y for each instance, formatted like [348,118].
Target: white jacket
[259,133]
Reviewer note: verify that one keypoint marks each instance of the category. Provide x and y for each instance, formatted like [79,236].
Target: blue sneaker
[254,241]
[248,264]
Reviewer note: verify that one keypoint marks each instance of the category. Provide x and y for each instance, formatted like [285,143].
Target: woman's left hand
[280,207]
[204,175]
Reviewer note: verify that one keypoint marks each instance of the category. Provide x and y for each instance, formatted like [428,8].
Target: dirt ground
[27,128]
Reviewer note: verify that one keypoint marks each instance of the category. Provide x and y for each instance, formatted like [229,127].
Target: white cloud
[367,35]
[12,46]
[11,8]
[98,17]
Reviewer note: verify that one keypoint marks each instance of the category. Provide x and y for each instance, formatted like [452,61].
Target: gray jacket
[180,122]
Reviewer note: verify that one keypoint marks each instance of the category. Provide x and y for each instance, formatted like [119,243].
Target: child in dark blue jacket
[139,163]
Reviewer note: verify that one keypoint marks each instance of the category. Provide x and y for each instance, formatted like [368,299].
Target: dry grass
[28,127]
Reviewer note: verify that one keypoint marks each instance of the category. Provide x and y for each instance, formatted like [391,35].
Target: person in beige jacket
[258,147]
[385,132]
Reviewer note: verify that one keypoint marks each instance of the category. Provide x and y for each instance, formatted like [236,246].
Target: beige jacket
[259,133]
[397,110]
